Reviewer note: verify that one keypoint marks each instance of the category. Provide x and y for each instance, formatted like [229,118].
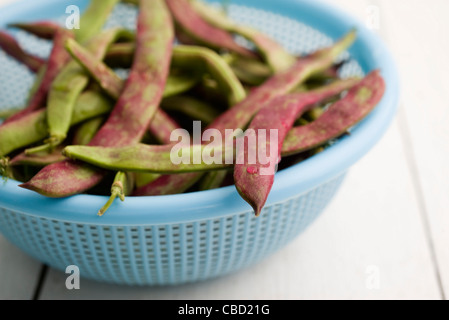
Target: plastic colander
[190,237]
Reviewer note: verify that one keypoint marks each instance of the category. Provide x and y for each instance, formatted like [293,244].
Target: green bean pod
[149,159]
[33,128]
[87,131]
[240,115]
[340,116]
[56,62]
[213,180]
[199,58]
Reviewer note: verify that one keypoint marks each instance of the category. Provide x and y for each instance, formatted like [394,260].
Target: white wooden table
[390,222]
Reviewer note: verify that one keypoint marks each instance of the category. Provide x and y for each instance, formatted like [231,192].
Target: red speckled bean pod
[341,116]
[198,29]
[255,180]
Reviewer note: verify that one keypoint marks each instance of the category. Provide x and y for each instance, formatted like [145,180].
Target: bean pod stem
[67,87]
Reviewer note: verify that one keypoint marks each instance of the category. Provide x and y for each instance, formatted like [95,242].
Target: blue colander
[185,238]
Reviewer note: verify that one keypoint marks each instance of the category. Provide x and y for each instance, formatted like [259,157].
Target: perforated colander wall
[166,254]
[175,253]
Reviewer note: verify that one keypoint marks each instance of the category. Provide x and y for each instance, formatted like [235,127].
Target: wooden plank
[417,35]
[18,273]
[372,226]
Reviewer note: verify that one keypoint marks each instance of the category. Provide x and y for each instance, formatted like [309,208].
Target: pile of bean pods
[84,128]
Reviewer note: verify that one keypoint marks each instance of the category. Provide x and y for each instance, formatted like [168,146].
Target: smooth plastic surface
[184,238]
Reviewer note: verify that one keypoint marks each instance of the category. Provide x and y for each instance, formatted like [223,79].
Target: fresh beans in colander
[126,125]
[357,103]
[240,115]
[146,158]
[56,62]
[13,49]
[214,80]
